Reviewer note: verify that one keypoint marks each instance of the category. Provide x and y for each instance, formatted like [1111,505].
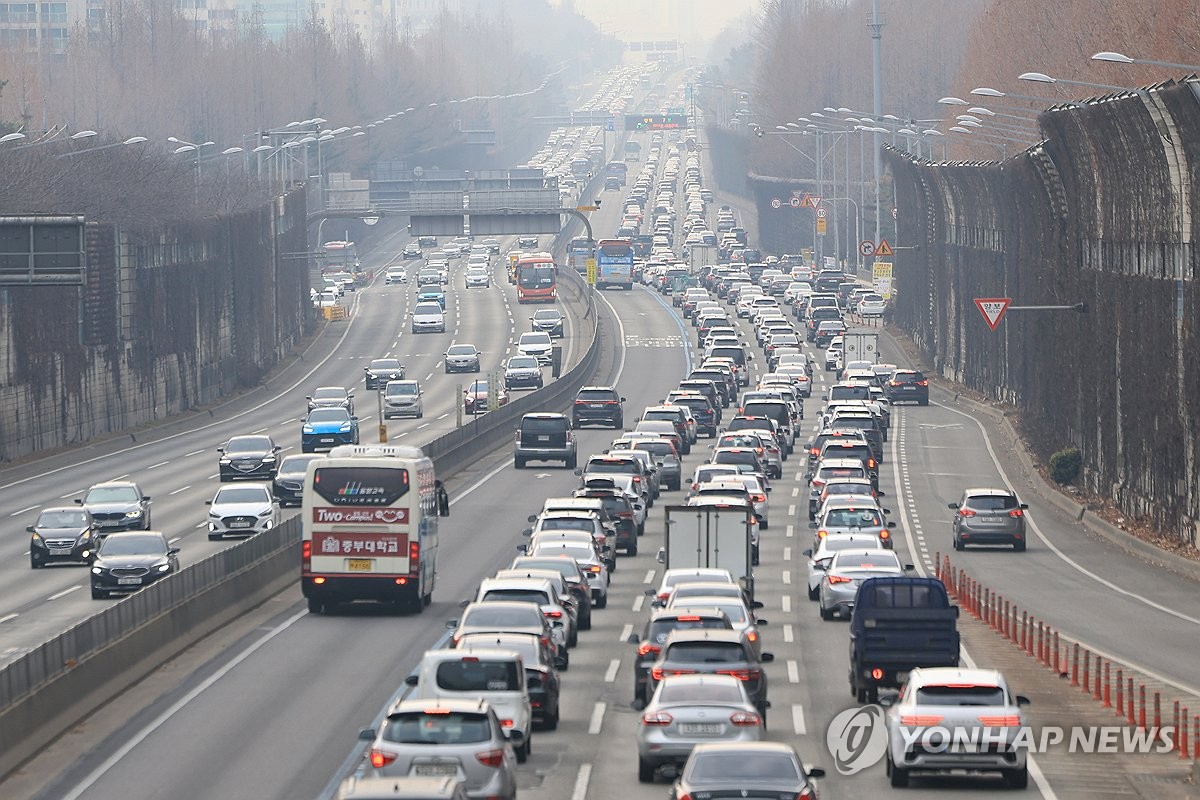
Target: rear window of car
[730,457]
[840,472]
[516,595]
[437,727]
[700,693]
[660,628]
[543,425]
[706,652]
[568,524]
[594,395]
[992,502]
[478,675]
[756,768]
[902,595]
[484,615]
[907,377]
[961,696]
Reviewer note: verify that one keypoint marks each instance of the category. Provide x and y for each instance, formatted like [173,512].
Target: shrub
[1065,465]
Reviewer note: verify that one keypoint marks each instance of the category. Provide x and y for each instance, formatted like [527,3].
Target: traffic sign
[821,213]
[812,200]
[993,309]
[587,208]
[822,226]
[610,124]
[775,202]
[884,249]
[866,248]
[591,271]
[796,202]
[895,214]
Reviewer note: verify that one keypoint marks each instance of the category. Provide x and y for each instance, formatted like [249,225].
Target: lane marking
[792,510]
[180,489]
[787,604]
[789,634]
[194,453]
[597,720]
[7,617]
[581,782]
[22,511]
[793,670]
[798,720]
[649,576]
[790,531]
[173,541]
[638,602]
[70,494]
[795,491]
[787,554]
[610,675]
[787,577]
[64,592]
[626,632]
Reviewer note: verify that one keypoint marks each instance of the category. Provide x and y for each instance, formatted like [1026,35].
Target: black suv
[907,384]
[544,437]
[595,405]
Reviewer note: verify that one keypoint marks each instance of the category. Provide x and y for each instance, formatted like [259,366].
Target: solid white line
[793,671]
[649,576]
[625,633]
[787,603]
[180,489]
[443,416]
[610,674]
[176,539]
[71,494]
[7,617]
[22,511]
[64,592]
[581,782]
[638,602]
[620,339]
[789,635]
[597,720]
[798,720]
[161,719]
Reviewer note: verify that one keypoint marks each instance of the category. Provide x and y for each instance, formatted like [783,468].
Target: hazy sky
[690,20]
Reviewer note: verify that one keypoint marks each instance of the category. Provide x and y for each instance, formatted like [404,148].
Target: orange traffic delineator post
[1129,701]
[1120,692]
[1107,684]
[1141,705]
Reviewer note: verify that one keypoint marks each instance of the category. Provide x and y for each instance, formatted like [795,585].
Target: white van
[491,674]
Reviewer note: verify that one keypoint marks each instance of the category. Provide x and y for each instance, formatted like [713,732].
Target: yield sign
[812,201]
[884,249]
[993,309]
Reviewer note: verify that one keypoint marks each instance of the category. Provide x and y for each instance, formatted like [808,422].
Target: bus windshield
[536,276]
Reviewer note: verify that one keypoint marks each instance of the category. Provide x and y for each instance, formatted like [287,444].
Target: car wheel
[958,545]
[602,601]
[518,463]
[924,402]
[477,368]
[1018,547]
[1017,778]
[550,722]
[585,623]
[573,639]
[646,771]
[618,423]
[99,594]
[35,564]
[315,606]
[813,594]
[897,775]
[632,549]
[826,614]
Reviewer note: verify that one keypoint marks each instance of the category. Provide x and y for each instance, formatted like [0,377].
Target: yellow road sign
[587,208]
[591,272]
[822,225]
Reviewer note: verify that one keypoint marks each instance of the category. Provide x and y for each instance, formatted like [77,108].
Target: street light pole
[875,24]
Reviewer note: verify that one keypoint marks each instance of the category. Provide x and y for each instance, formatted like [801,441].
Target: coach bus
[536,279]
[633,151]
[369,527]
[614,264]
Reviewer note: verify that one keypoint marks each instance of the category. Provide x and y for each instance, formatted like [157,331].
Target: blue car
[326,428]
[432,296]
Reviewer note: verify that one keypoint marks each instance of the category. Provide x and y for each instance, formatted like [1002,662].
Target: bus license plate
[360,564]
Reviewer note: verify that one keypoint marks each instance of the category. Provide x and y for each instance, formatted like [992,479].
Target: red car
[475,396]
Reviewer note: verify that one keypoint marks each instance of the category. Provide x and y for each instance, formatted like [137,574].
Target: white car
[536,344]
[872,305]
[428,318]
[847,571]
[478,277]
[395,275]
[973,705]
[242,510]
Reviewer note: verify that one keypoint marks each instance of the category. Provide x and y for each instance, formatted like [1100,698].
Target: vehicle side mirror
[891,524]
[411,680]
[366,735]
[527,532]
[174,551]
[521,548]
[146,498]
[669,771]
[634,639]
[1024,506]
[579,472]
[30,528]
[888,700]
[761,622]
[79,501]
[887,511]
[819,567]
[1022,700]
[952,506]
[767,658]
[756,604]
[309,398]
[881,493]
[812,526]
[622,399]
[662,556]
[807,553]
[955,611]
[208,502]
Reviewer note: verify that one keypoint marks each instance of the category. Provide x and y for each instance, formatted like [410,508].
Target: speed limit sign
[820,213]
[775,202]
[866,248]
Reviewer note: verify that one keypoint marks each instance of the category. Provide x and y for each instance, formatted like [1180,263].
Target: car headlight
[345,427]
[268,459]
[83,537]
[225,461]
[36,539]
[308,429]
[137,512]
[164,567]
[97,570]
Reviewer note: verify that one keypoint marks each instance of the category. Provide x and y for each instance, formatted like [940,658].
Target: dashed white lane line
[159,464]
[64,592]
[214,476]
[798,720]
[180,489]
[70,494]
[610,674]
[638,602]
[193,453]
[429,376]
[23,510]
[650,573]
[786,603]
[793,670]
[790,531]
[443,416]
[795,491]
[625,633]
[173,541]
[792,510]
[200,525]
[787,577]
[424,425]
[787,554]
[581,782]
[597,721]
[789,634]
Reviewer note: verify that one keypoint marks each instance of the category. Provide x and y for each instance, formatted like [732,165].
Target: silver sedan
[687,710]
[849,568]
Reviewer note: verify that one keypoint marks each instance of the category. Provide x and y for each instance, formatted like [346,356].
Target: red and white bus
[537,278]
[370,527]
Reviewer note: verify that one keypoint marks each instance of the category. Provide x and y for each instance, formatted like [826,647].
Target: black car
[411,250]
[288,486]
[548,320]
[544,437]
[117,506]
[908,385]
[382,370]
[713,651]
[253,456]
[662,621]
[596,405]
[62,535]
[128,561]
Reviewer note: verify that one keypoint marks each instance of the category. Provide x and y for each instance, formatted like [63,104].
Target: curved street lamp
[1121,58]
[1041,77]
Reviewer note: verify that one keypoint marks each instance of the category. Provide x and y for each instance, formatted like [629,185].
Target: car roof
[984,492]
[112,485]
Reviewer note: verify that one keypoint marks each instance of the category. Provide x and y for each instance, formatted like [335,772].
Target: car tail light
[839,579]
[646,648]
[1016,512]
[871,463]
[877,674]
[657,718]
[656,673]
[664,596]
[553,614]
[381,758]
[745,719]
[543,639]
[922,383]
[1001,721]
[921,720]
[885,534]
[491,758]
[636,479]
[814,452]
[519,436]
[758,498]
[594,569]
[966,512]
[506,723]
[741,674]
[751,637]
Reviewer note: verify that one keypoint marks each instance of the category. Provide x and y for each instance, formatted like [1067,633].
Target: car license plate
[595,405]
[360,564]
[129,581]
[239,524]
[327,440]
[694,728]
[545,438]
[436,770]
[60,551]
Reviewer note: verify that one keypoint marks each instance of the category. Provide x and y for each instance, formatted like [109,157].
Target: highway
[272,707]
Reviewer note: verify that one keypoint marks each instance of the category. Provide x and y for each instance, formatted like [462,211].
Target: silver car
[462,358]
[242,511]
[818,560]
[402,399]
[849,568]
[445,738]
[687,710]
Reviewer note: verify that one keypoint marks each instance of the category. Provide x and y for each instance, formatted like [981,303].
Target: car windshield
[734,457]
[329,394]
[523,362]
[547,315]
[853,518]
[478,387]
[534,338]
[700,693]
[426,309]
[112,494]
[63,519]
[384,364]
[248,444]
[437,727]
[133,545]
[242,494]
[749,766]
[609,466]
[479,675]
[992,502]
[461,350]
[296,464]
[961,696]
[321,415]
[394,389]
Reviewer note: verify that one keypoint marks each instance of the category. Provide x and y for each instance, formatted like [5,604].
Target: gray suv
[989,516]
[544,437]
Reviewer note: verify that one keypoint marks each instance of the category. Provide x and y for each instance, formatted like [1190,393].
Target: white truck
[710,535]
[860,346]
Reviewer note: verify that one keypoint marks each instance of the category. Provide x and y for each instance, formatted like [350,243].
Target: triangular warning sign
[814,200]
[884,248]
[993,309]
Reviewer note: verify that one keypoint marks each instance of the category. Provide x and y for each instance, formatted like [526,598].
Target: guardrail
[63,680]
